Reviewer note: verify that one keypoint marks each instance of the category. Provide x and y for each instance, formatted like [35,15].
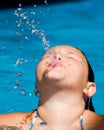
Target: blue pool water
[80,24]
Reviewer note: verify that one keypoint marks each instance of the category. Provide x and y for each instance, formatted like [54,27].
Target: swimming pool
[79,24]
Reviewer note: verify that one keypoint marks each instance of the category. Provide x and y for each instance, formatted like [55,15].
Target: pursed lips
[55,64]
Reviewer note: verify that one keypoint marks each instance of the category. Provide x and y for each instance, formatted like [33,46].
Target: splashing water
[30,25]
[20,61]
[27,23]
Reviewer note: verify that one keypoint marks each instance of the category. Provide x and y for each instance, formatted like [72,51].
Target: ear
[36,91]
[90,89]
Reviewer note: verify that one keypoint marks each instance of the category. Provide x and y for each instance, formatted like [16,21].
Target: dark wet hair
[89,103]
[90,70]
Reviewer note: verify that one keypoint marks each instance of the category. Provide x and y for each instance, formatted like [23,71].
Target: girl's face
[64,65]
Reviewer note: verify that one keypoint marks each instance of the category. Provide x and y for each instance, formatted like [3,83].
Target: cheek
[79,74]
[41,68]
[75,70]
[39,71]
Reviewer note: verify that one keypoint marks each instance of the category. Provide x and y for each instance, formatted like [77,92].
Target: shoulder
[13,119]
[94,121]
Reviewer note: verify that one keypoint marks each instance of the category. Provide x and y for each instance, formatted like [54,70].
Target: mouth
[55,64]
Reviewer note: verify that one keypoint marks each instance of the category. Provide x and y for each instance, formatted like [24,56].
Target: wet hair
[89,103]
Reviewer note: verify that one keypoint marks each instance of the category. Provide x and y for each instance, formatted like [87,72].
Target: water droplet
[15,87]
[27,38]
[23,92]
[19,9]
[18,83]
[20,4]
[12,109]
[46,2]
[35,6]
[30,94]
[18,74]
[33,13]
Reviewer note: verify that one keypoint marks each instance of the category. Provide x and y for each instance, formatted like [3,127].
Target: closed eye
[74,56]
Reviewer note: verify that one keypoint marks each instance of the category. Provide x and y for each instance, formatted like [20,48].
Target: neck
[61,112]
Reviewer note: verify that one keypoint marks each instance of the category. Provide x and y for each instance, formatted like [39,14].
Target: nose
[56,56]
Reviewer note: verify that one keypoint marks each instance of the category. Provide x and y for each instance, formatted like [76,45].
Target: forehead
[68,49]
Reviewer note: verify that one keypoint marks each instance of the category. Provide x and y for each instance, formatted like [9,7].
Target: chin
[55,75]
[53,79]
